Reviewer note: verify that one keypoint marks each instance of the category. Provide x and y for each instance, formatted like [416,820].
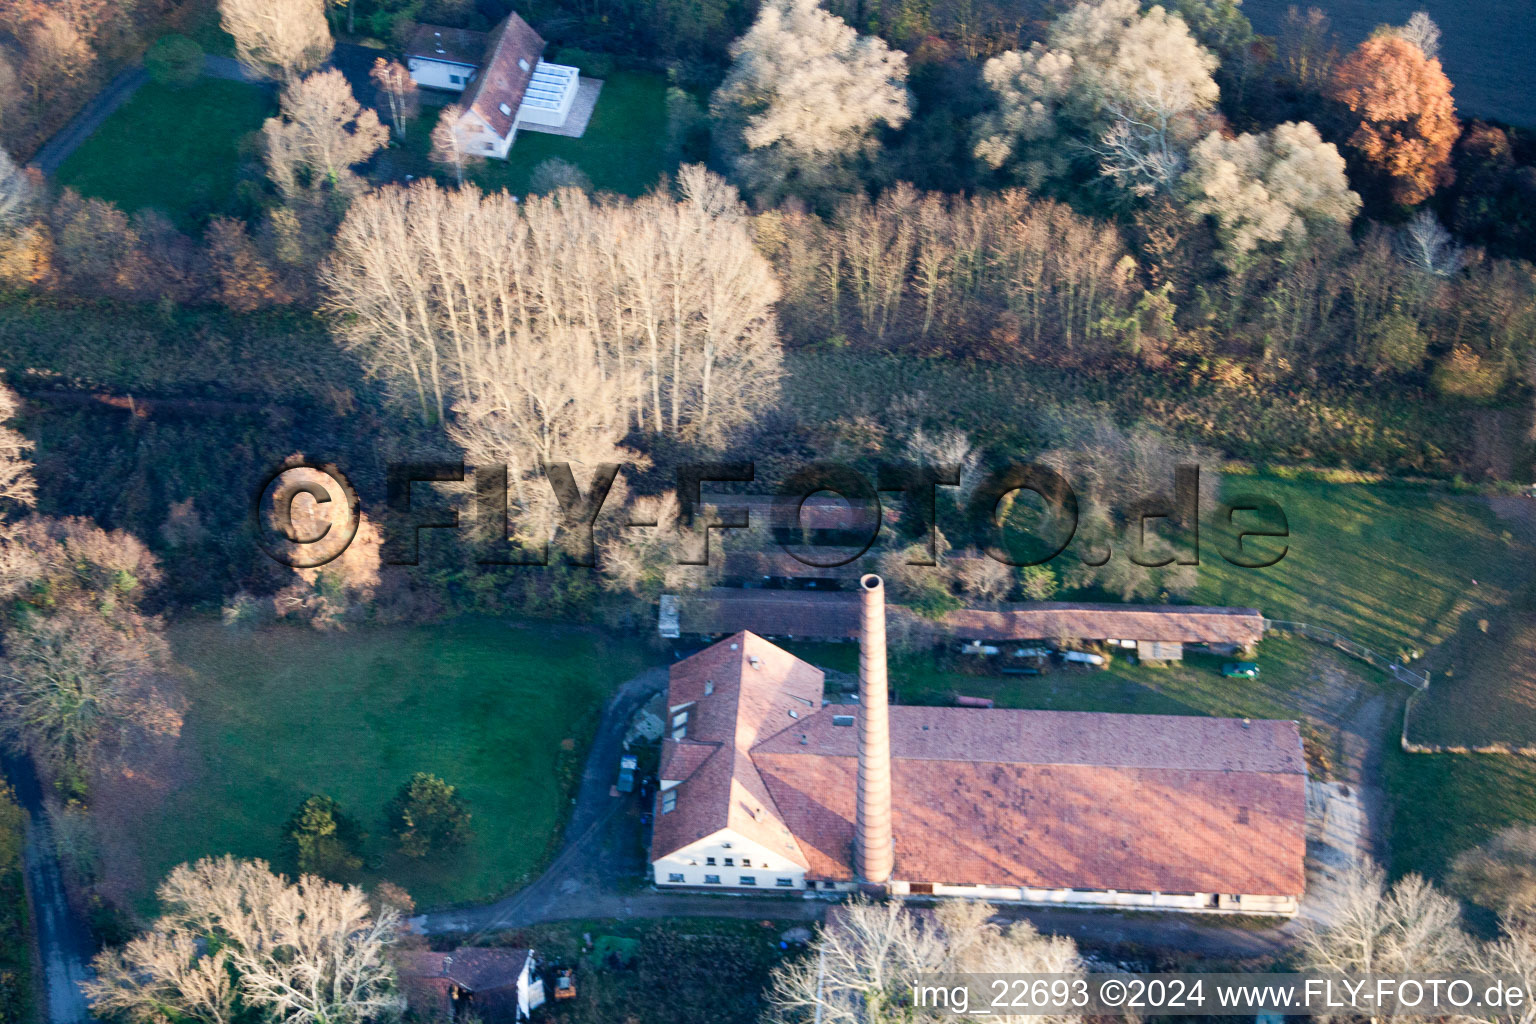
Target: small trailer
[628,765]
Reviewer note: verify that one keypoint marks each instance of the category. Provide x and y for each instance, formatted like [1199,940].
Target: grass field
[623,149]
[504,713]
[173,150]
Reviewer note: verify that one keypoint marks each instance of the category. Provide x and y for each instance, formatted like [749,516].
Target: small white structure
[505,84]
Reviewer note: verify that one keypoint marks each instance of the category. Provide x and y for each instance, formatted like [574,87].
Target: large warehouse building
[764,787]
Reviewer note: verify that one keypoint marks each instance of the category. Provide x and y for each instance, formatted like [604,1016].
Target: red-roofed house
[760,788]
[505,84]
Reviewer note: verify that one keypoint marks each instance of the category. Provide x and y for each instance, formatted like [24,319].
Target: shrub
[323,841]
[175,61]
[426,815]
[1465,374]
[554,174]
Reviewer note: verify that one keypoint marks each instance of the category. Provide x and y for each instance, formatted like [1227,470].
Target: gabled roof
[472,968]
[770,613]
[835,615]
[681,758]
[1049,620]
[1058,800]
[451,45]
[738,692]
[512,54]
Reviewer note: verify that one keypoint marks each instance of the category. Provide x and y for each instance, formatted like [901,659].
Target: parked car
[1240,669]
[628,765]
[1082,658]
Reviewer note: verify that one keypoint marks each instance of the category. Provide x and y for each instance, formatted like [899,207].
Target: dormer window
[522,63]
[506,109]
[709,687]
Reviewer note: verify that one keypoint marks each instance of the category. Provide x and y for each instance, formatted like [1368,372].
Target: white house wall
[692,863]
[440,74]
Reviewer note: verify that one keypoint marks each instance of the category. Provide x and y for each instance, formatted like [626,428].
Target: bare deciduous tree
[72,679]
[309,952]
[322,133]
[1422,32]
[1133,83]
[804,92]
[450,142]
[1501,873]
[1409,928]
[398,88]
[1423,243]
[551,328]
[18,195]
[862,963]
[1269,187]
[18,488]
[278,39]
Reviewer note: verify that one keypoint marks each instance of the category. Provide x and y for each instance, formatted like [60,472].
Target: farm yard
[505,712]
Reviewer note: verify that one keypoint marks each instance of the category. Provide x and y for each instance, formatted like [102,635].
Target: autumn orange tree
[1407,119]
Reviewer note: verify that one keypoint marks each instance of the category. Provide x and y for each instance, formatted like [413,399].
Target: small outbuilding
[495,984]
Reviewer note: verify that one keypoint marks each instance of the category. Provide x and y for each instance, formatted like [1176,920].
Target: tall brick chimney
[875,852]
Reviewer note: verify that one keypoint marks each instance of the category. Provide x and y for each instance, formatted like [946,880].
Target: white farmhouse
[505,84]
[764,786]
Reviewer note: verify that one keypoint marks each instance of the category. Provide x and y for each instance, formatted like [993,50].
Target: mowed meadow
[502,710]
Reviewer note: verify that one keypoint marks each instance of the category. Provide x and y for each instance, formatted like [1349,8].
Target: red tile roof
[753,687]
[1051,620]
[1059,800]
[1044,799]
[501,81]
[835,615]
[473,968]
[456,45]
[681,758]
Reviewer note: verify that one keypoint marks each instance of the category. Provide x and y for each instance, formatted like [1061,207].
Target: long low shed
[835,616]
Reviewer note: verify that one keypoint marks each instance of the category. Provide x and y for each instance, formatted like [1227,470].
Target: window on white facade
[748,879]
[784,883]
[669,801]
[675,877]
[710,861]
[745,862]
[730,862]
[711,879]
[456,79]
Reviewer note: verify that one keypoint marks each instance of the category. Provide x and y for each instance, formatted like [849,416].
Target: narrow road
[103,105]
[62,939]
[52,154]
[598,875]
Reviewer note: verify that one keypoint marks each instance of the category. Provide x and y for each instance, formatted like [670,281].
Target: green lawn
[623,149]
[1391,567]
[504,712]
[174,150]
